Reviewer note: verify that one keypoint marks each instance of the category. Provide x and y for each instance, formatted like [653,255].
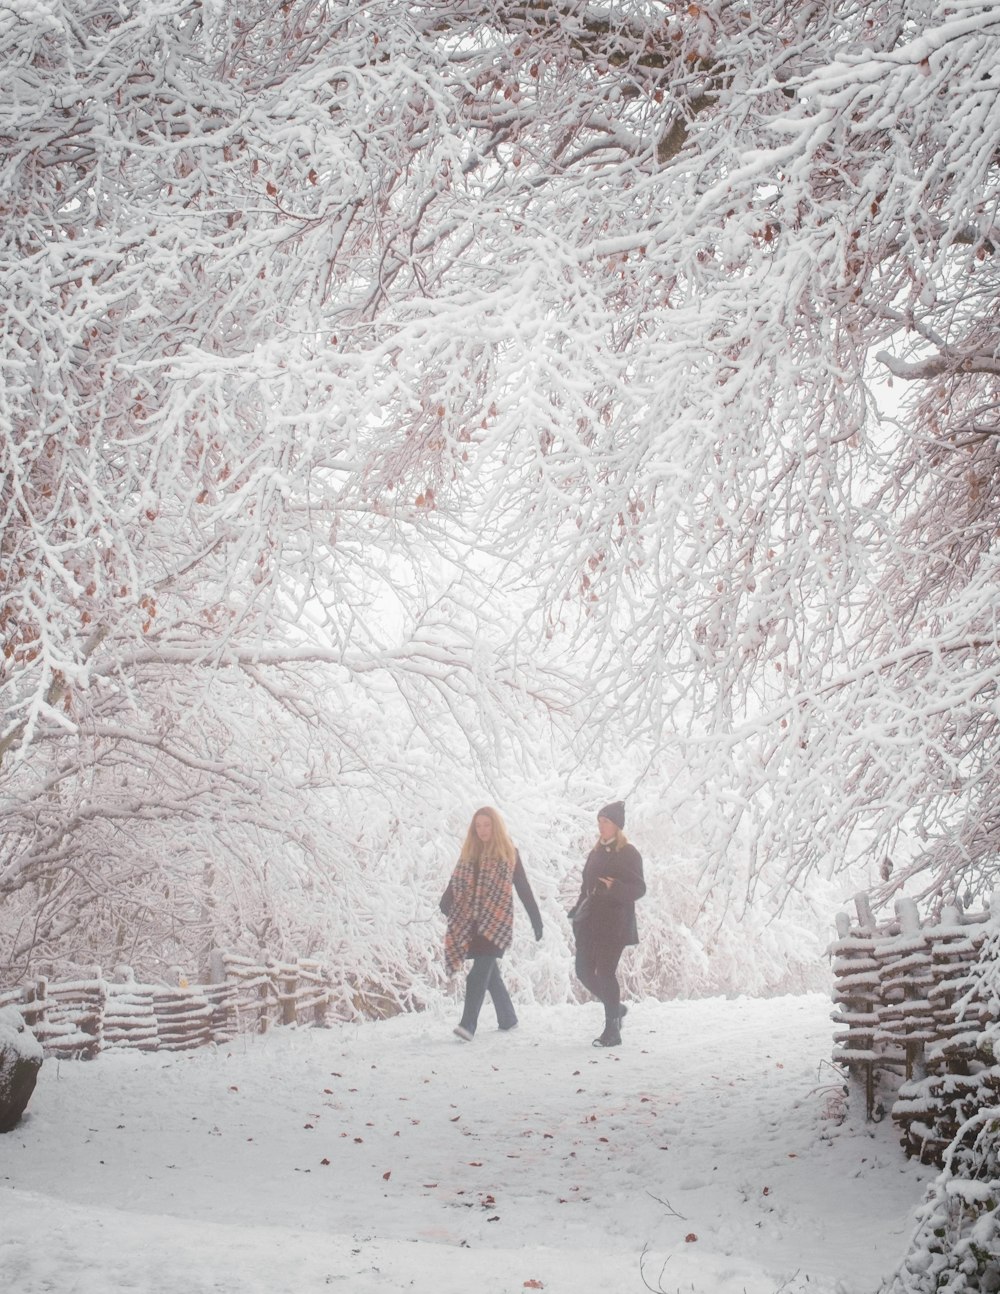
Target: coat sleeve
[447,900]
[586,885]
[523,888]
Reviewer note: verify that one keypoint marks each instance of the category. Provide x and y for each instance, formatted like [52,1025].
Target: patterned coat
[479,905]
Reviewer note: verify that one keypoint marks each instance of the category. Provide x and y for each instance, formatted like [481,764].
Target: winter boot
[611,1037]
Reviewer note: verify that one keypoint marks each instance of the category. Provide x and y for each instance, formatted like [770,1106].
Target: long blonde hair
[500,844]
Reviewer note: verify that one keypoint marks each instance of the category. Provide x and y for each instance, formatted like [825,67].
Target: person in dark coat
[479,906]
[604,916]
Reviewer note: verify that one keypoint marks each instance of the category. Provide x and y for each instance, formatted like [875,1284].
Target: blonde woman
[604,916]
[479,906]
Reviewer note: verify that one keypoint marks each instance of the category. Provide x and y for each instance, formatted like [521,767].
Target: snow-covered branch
[502,373]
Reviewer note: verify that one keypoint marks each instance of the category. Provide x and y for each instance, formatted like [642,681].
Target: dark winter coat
[610,915]
[478,945]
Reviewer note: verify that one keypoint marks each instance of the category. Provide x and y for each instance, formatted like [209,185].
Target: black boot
[611,1037]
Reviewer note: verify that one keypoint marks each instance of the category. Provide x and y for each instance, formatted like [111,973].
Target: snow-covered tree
[318,312]
[188,521]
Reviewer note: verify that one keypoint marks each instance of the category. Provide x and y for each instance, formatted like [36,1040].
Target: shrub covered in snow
[20,1061]
[956,1244]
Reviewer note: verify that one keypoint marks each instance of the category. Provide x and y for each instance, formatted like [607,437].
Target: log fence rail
[909,1030]
[79,1017]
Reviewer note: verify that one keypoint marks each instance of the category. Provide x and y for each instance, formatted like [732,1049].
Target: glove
[538,931]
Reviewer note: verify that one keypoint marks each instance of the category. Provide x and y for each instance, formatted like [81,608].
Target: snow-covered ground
[704,1155]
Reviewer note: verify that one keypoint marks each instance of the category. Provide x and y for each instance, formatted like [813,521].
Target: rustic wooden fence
[78,1018]
[896,991]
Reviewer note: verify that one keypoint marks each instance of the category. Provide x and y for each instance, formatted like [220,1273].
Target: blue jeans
[484,977]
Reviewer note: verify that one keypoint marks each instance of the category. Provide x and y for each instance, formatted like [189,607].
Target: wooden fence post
[915,989]
[288,986]
[263,993]
[216,966]
[853,993]
[36,995]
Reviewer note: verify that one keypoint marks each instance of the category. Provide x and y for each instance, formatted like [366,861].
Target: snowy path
[393,1157]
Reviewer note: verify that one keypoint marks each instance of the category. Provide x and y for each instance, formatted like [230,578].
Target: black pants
[596,968]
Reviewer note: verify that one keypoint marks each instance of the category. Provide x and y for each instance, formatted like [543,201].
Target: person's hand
[538,931]
[606,881]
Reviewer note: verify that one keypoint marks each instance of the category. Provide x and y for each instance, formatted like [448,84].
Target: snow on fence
[897,992]
[80,1017]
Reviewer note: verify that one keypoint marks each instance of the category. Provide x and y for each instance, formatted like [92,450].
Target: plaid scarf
[483,904]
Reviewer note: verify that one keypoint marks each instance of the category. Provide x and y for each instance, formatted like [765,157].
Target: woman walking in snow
[479,905]
[604,916]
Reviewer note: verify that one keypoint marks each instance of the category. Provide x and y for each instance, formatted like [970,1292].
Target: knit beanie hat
[615,813]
